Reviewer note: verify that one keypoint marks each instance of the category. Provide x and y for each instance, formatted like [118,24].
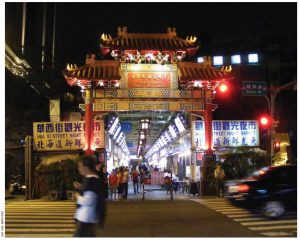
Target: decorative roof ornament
[105,37]
[191,39]
[171,32]
[90,60]
[122,31]
[71,67]
[227,69]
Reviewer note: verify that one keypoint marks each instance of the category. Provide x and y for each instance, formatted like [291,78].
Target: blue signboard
[126,127]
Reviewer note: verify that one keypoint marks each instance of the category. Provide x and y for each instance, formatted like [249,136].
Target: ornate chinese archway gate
[140,79]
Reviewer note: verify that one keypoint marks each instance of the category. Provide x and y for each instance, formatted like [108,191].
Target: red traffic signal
[223,87]
[276,146]
[265,121]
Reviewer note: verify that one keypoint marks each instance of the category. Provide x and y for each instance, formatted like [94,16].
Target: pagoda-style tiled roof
[202,72]
[92,71]
[149,41]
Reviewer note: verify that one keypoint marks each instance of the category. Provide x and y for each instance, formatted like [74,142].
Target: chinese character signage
[149,80]
[149,76]
[254,88]
[228,133]
[63,136]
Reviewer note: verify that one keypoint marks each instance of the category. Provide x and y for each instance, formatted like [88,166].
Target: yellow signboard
[64,136]
[139,105]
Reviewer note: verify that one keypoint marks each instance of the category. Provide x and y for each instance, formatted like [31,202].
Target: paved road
[160,218]
[283,227]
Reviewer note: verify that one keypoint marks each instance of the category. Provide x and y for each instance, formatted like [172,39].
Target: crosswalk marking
[232,211]
[273,227]
[39,214]
[40,219]
[32,225]
[253,220]
[268,222]
[34,217]
[276,234]
[225,208]
[40,230]
[38,235]
[243,215]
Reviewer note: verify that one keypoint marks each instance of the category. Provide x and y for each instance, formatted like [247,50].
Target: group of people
[118,183]
[92,192]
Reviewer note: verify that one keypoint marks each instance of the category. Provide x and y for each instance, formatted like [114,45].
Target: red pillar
[89,129]
[208,127]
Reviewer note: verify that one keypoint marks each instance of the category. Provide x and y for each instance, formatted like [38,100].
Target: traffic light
[223,87]
[265,121]
[276,146]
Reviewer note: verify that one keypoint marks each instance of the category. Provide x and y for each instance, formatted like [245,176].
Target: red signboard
[149,80]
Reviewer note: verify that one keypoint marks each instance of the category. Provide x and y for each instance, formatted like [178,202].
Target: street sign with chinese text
[227,133]
[64,136]
[254,88]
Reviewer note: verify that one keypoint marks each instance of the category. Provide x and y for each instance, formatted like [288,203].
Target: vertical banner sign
[228,133]
[64,136]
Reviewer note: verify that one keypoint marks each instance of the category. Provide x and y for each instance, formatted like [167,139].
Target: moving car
[270,190]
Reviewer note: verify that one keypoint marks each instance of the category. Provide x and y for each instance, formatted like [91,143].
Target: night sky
[222,28]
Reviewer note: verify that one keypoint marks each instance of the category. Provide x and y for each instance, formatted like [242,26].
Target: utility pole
[271,100]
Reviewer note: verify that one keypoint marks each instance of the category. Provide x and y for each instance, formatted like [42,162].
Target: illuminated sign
[114,125]
[179,125]
[149,76]
[228,133]
[172,131]
[63,136]
[218,60]
[149,80]
[167,136]
[253,58]
[236,59]
[117,132]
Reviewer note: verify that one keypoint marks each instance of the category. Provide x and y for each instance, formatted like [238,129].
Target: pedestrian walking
[142,180]
[120,182]
[187,185]
[220,177]
[113,184]
[175,184]
[168,182]
[90,201]
[103,175]
[125,183]
[135,180]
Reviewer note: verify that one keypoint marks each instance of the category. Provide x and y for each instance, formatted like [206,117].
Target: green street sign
[254,88]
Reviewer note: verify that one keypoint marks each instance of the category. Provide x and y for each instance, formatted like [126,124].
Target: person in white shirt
[90,201]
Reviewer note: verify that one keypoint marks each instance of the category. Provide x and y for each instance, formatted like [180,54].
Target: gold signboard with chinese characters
[149,76]
[142,105]
[147,93]
[64,136]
